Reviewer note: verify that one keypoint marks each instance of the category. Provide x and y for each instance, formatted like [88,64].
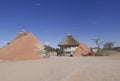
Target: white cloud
[37,4]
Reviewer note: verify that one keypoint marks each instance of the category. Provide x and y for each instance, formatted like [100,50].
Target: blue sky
[51,20]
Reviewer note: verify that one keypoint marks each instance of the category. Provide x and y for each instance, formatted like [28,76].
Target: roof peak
[68,34]
[19,35]
[23,31]
[69,40]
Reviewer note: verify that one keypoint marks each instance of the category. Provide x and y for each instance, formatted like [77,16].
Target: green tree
[108,45]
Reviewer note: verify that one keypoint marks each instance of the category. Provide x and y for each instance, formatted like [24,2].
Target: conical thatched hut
[23,47]
[68,45]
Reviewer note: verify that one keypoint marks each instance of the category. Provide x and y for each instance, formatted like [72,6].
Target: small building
[94,49]
[68,45]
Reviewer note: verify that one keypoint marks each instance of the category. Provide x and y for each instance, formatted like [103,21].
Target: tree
[49,48]
[98,43]
[108,45]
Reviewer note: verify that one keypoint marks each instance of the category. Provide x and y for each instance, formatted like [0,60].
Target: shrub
[118,50]
[43,52]
[103,52]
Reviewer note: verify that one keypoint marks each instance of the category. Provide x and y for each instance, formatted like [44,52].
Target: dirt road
[61,69]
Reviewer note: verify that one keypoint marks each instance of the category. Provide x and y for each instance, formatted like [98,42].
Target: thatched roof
[19,35]
[69,40]
[25,48]
[82,50]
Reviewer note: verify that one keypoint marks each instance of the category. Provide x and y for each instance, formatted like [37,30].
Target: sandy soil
[62,69]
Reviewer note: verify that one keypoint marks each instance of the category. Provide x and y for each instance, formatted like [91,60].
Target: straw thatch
[19,35]
[23,48]
[82,50]
[69,41]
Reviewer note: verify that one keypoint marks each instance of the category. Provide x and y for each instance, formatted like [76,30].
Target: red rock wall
[82,50]
[22,49]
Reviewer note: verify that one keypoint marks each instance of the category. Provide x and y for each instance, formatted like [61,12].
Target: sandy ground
[62,69]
